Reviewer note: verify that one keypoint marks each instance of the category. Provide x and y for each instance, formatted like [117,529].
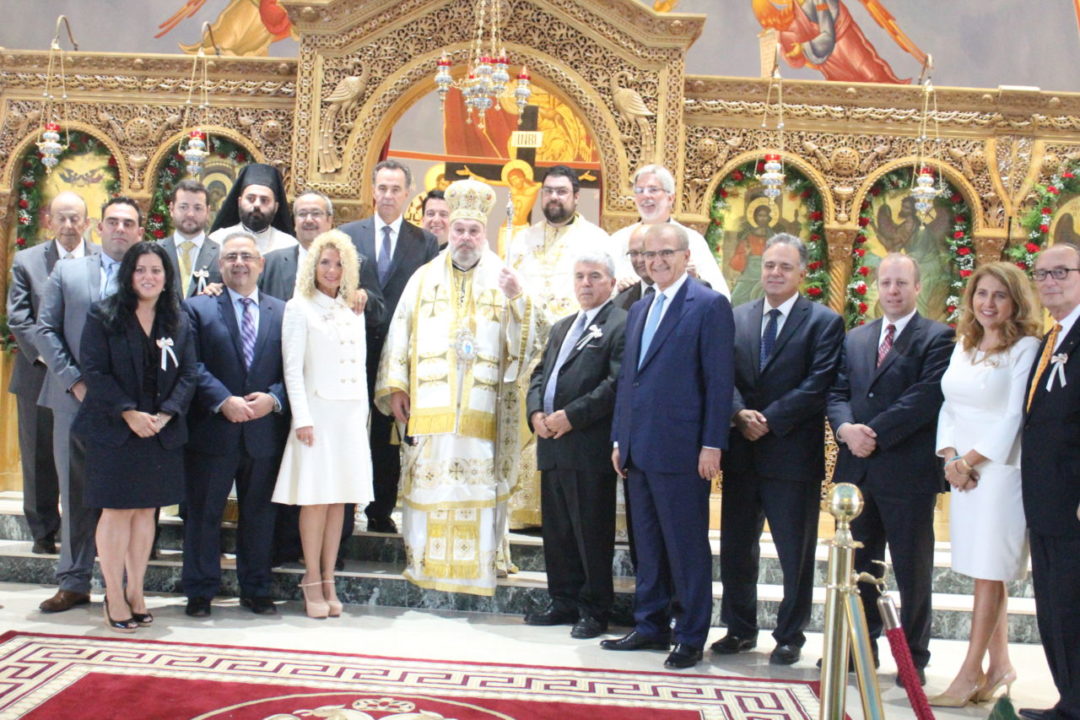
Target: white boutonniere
[202,275]
[1057,369]
[594,332]
[166,345]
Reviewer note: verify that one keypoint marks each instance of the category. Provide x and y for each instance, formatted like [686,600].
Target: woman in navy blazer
[138,362]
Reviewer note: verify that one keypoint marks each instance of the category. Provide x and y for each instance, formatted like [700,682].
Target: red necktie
[886,344]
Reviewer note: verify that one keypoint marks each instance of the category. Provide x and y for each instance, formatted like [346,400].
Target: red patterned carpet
[49,677]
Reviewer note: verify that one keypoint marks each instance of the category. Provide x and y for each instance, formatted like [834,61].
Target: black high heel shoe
[142,619]
[122,626]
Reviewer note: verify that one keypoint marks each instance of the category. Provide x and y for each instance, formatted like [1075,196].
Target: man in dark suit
[635,245]
[29,274]
[786,352]
[313,213]
[672,415]
[194,255]
[883,409]
[396,249]
[570,401]
[72,288]
[1051,478]
[238,424]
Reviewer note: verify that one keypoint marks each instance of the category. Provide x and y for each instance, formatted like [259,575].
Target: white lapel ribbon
[1057,369]
[594,332]
[203,275]
[166,345]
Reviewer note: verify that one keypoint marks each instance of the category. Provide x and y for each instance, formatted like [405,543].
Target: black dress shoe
[260,605]
[44,547]
[1033,714]
[683,656]
[636,641]
[552,615]
[785,655]
[588,627]
[381,525]
[198,607]
[918,671]
[731,644]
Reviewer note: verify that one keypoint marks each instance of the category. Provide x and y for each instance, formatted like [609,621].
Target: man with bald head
[635,247]
[67,221]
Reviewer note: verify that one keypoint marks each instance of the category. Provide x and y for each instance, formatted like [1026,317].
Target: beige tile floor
[480,637]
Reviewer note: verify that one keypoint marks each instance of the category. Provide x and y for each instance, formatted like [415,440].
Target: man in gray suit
[72,288]
[29,273]
[194,255]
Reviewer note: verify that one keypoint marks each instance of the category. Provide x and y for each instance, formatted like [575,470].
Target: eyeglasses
[634,254]
[1058,273]
[313,214]
[648,190]
[665,254]
[242,257]
[557,192]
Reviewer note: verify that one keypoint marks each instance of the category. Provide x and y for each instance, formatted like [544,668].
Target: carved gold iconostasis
[612,95]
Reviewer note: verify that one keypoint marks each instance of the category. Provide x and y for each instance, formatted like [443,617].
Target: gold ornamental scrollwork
[841,240]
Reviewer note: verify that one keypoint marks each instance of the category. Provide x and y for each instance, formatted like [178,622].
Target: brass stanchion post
[845,503]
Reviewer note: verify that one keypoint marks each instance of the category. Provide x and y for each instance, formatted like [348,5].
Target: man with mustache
[256,205]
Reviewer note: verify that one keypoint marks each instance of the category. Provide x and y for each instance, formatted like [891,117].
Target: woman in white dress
[979,439]
[327,461]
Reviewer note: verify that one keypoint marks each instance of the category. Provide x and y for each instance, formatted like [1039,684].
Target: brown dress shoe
[63,600]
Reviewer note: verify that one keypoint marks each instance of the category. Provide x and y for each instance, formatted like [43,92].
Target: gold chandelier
[49,147]
[488,78]
[194,147]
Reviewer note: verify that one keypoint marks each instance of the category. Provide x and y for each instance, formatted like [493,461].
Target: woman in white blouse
[979,439]
[327,461]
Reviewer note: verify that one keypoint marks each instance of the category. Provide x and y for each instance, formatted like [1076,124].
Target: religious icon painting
[744,218]
[937,239]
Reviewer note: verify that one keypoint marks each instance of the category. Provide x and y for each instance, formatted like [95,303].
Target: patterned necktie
[383,263]
[649,291]
[886,344]
[109,287]
[768,338]
[650,325]
[564,352]
[1044,361]
[183,259]
[247,331]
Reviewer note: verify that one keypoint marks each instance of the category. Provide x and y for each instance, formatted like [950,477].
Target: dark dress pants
[579,539]
[78,522]
[671,530]
[1055,574]
[209,479]
[385,466]
[41,486]
[906,522]
[792,511]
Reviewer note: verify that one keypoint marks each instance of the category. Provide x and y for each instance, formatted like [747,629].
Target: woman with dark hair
[979,439]
[138,362]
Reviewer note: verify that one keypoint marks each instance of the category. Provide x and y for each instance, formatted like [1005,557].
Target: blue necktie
[564,352]
[383,264]
[768,339]
[109,288]
[650,325]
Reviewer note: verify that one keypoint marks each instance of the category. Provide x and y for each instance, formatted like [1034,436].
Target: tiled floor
[483,637]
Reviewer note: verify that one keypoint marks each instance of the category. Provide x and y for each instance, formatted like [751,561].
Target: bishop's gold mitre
[470,199]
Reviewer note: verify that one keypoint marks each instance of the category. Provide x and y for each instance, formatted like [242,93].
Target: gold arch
[954,176]
[809,172]
[157,160]
[16,157]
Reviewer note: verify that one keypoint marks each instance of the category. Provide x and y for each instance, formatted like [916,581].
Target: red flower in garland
[173,170]
[961,218]
[158,234]
[965,273]
[28,183]
[814,237]
[956,198]
[860,289]
[1044,228]
[806,193]
[1052,190]
[861,252]
[1032,248]
[736,176]
[24,219]
[860,239]
[862,322]
[864,207]
[723,193]
[814,265]
[950,308]
[112,161]
[863,307]
[864,221]
[157,217]
[23,203]
[816,215]
[1067,175]
[864,270]
[760,168]
[1047,211]
[876,190]
[963,251]
[241,157]
[958,234]
[1022,265]
[813,291]
[21,242]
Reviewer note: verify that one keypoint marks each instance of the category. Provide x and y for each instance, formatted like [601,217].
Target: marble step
[380,584]
[527,552]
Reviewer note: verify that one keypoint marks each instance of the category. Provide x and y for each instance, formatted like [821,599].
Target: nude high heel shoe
[953,701]
[318,609]
[986,692]
[335,606]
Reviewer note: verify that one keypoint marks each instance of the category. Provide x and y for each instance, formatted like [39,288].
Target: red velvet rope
[906,670]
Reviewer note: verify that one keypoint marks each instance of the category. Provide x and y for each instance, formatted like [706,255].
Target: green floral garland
[1036,221]
[7,338]
[31,179]
[159,220]
[961,249]
[816,285]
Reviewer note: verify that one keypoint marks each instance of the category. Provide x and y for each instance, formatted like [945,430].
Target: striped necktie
[247,331]
[886,344]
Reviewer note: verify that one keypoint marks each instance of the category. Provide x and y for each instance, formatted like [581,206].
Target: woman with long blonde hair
[979,440]
[327,461]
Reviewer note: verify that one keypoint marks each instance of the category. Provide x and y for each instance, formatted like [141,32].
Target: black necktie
[768,339]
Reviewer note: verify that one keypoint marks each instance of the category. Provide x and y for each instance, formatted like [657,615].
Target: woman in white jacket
[327,461]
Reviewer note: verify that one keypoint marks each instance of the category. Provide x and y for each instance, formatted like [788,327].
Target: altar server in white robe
[462,333]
